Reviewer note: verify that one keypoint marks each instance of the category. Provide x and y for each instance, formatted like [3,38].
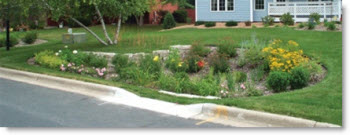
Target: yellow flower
[156,59]
[291,42]
[180,64]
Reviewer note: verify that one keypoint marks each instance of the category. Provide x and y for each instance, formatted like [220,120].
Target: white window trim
[259,9]
[226,6]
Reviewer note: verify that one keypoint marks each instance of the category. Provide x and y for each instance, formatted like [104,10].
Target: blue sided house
[254,10]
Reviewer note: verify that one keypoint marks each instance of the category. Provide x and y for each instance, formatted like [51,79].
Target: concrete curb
[70,85]
[218,114]
[261,119]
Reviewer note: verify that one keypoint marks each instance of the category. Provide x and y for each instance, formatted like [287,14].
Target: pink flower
[69,65]
[100,74]
[103,70]
[242,86]
[62,68]
[80,70]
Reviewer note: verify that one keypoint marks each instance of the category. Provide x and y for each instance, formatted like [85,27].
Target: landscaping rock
[163,54]
[183,49]
[136,57]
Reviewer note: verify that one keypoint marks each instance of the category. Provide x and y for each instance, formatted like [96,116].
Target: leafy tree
[120,9]
[20,12]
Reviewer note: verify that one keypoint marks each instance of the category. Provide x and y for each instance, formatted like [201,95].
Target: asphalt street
[25,105]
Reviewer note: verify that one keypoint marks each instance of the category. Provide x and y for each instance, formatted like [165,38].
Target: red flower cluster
[200,64]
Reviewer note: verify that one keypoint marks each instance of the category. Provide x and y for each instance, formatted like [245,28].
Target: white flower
[66,46]
[75,52]
[59,51]
[56,54]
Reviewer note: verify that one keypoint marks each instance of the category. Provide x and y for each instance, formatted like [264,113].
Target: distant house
[254,10]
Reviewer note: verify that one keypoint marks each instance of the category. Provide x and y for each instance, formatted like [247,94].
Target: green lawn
[321,102]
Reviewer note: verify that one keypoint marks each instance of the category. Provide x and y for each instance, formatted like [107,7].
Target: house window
[222,5]
[230,5]
[214,5]
[259,4]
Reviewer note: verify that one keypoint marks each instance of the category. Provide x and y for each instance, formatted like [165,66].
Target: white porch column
[340,7]
[251,11]
[324,11]
[295,12]
[196,10]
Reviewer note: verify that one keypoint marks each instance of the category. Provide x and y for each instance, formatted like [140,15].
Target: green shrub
[199,23]
[231,23]
[251,91]
[120,61]
[69,56]
[219,63]
[287,19]
[134,75]
[195,63]
[301,25]
[315,17]
[199,49]
[331,26]
[230,81]
[268,20]
[30,37]
[95,61]
[254,26]
[311,25]
[253,56]
[227,49]
[180,16]
[210,24]
[278,81]
[240,77]
[179,83]
[13,41]
[315,70]
[208,85]
[175,63]
[49,59]
[151,66]
[248,23]
[299,78]
[169,21]
[258,73]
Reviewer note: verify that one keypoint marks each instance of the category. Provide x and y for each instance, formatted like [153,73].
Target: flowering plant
[284,56]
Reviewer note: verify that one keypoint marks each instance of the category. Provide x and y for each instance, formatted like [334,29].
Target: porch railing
[325,9]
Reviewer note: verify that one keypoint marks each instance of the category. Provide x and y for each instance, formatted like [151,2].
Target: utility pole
[8,27]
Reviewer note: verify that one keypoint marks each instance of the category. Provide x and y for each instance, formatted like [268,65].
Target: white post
[339,11]
[295,12]
[251,11]
[196,10]
[324,11]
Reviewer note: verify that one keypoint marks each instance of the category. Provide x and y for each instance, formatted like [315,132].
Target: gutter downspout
[251,11]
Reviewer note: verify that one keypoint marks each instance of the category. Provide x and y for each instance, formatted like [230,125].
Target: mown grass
[321,102]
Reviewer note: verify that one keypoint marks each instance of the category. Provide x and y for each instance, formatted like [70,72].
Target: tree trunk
[118,29]
[103,25]
[137,20]
[89,30]
[155,18]
[141,21]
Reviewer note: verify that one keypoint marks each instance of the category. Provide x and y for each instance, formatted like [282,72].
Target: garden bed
[255,69]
